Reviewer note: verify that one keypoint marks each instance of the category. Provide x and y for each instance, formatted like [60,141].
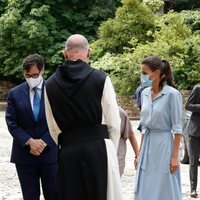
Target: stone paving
[9,185]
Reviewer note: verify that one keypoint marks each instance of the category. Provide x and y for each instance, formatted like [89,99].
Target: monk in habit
[83,118]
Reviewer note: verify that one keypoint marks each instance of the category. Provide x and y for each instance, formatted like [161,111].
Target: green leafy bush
[131,23]
[34,26]
[173,39]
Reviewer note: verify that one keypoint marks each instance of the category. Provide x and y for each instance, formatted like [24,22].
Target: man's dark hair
[33,59]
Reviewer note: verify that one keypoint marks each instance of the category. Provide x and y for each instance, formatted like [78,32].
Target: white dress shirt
[32,93]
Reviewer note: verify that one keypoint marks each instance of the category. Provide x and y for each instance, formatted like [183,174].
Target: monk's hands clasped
[37,146]
[174,164]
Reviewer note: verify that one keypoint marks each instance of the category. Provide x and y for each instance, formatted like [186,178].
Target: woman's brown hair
[166,75]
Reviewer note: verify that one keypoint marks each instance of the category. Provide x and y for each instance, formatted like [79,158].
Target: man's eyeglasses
[31,75]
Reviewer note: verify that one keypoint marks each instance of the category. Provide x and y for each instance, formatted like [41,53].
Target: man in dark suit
[33,152]
[193,105]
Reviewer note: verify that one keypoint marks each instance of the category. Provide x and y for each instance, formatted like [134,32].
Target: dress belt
[143,154]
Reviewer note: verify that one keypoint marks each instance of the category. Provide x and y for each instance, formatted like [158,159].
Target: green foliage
[131,23]
[34,26]
[3,4]
[24,33]
[192,19]
[83,17]
[28,26]
[118,66]
[179,5]
[173,40]
[154,5]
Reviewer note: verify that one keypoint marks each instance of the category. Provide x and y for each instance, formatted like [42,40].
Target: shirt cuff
[27,143]
[177,129]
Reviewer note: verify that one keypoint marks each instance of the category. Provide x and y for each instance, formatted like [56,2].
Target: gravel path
[9,185]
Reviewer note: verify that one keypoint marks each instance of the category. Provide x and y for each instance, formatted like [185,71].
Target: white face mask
[33,82]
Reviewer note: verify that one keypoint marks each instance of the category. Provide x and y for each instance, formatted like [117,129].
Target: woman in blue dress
[158,174]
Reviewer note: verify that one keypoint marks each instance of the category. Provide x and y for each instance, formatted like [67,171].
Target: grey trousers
[194,148]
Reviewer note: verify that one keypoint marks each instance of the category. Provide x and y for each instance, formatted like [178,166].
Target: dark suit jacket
[193,105]
[22,126]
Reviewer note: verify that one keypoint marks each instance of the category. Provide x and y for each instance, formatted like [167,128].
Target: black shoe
[193,194]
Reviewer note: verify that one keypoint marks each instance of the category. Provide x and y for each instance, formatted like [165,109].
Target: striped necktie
[36,103]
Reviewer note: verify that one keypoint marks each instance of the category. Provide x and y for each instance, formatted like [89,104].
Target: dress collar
[164,91]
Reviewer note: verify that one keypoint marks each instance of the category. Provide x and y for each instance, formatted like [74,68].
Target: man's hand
[37,146]
[35,153]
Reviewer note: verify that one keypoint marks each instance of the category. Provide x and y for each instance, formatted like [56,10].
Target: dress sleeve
[110,111]
[176,112]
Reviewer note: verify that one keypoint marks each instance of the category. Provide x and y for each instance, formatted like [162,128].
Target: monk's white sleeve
[110,112]
[52,125]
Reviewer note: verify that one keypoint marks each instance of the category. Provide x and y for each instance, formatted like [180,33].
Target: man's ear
[64,52]
[89,52]
[42,71]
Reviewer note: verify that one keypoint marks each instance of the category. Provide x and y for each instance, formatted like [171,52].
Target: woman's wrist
[136,156]
[175,156]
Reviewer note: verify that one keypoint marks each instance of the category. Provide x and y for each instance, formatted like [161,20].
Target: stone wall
[127,103]
[185,95]
[5,86]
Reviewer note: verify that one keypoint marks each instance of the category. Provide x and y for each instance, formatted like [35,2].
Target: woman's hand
[174,164]
[136,162]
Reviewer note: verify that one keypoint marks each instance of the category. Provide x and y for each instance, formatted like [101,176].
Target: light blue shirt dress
[161,119]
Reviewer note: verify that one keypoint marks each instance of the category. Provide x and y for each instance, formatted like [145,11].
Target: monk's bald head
[76,41]
[77,47]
